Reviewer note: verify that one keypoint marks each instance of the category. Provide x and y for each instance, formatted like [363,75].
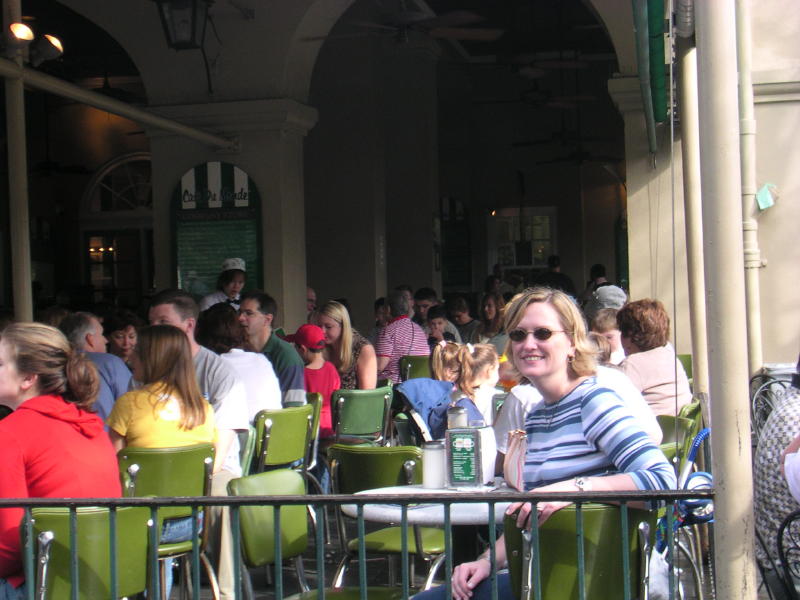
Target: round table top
[420,513]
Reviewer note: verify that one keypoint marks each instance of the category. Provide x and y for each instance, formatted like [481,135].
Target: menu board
[216,213]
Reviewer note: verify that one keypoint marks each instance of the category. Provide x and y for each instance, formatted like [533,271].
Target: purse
[514,462]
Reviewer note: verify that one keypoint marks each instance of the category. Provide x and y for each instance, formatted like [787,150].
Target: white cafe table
[429,514]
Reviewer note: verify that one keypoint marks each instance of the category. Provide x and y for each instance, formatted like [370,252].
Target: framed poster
[216,214]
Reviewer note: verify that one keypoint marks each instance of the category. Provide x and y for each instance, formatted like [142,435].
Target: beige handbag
[514,462]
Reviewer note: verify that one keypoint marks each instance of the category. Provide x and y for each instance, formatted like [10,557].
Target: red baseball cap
[309,336]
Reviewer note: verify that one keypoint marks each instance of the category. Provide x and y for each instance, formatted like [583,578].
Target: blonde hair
[42,350]
[603,347]
[166,359]
[584,362]
[474,360]
[444,358]
[336,311]
[604,320]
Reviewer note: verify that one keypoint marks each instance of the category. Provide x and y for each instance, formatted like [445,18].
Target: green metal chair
[257,523]
[677,435]
[686,361]
[357,468]
[247,447]
[283,438]
[558,554]
[181,471]
[54,576]
[412,367]
[362,416]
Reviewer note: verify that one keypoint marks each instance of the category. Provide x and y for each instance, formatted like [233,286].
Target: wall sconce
[45,48]
[184,22]
[17,37]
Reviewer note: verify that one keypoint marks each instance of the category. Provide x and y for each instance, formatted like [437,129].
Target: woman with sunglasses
[581,436]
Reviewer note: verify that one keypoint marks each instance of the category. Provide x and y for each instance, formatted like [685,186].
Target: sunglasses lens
[518,335]
[542,334]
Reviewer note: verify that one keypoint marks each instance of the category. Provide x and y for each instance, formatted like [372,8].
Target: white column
[725,292]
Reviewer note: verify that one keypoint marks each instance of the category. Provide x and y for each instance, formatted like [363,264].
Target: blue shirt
[115,380]
[590,431]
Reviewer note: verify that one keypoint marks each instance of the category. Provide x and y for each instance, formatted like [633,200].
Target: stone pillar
[271,135]
[412,178]
[657,260]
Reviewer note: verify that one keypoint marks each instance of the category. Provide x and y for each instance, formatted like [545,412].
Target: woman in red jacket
[52,445]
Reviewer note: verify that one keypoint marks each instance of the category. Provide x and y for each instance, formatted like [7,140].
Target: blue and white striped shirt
[590,431]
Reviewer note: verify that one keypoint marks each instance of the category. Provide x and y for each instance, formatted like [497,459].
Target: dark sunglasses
[540,333]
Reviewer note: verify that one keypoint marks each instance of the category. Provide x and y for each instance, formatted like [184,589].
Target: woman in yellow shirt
[169,410]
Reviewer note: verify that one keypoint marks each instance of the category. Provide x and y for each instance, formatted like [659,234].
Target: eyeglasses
[540,333]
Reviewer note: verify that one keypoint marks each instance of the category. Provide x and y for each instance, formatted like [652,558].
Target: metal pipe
[747,141]
[684,18]
[724,274]
[19,219]
[53,85]
[692,208]
[643,64]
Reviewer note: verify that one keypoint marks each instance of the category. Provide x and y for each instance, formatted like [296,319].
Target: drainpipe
[692,208]
[19,219]
[747,134]
[643,67]
[724,275]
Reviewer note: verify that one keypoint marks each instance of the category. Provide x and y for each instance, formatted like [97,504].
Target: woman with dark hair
[490,331]
[120,329]
[219,330]
[52,445]
[580,435]
[229,284]
[650,360]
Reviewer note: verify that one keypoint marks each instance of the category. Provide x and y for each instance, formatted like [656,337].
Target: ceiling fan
[401,24]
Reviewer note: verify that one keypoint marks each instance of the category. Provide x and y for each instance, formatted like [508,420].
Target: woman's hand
[543,511]
[467,576]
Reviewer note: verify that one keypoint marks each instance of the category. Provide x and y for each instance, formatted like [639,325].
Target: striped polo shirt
[591,432]
[401,337]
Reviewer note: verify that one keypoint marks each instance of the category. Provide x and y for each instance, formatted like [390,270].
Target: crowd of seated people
[239,365]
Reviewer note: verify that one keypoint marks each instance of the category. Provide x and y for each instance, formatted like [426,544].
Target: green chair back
[93,551]
[247,447]
[356,468]
[413,367]
[182,471]
[686,361]
[257,523]
[677,435]
[283,436]
[361,416]
[558,554]
[402,430]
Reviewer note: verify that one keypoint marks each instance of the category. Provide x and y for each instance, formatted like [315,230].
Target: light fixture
[17,37]
[45,48]
[184,22]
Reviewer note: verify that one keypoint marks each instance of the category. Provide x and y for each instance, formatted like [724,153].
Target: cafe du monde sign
[216,214]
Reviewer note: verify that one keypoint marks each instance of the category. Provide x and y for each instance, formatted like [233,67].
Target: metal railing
[622,499]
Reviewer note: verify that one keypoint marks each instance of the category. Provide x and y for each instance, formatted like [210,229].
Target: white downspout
[747,141]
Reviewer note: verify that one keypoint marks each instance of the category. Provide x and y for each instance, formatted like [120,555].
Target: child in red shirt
[320,375]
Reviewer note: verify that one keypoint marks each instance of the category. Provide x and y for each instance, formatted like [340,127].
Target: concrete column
[725,291]
[654,216]
[19,220]
[412,178]
[271,152]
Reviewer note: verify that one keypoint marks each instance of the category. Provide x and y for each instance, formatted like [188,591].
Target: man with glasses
[256,314]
